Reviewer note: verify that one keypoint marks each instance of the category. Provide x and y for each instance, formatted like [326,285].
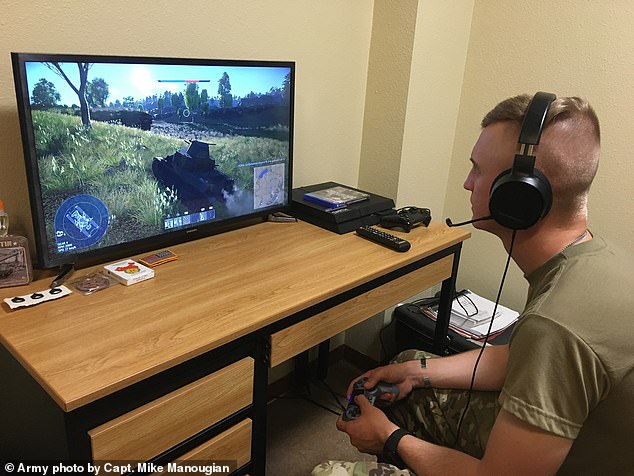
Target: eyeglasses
[467,305]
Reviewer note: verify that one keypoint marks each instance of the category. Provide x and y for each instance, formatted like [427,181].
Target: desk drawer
[231,445]
[302,336]
[159,425]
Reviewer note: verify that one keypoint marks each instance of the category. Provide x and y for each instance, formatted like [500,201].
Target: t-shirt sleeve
[553,378]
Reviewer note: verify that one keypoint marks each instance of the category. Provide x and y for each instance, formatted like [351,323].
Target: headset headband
[535,117]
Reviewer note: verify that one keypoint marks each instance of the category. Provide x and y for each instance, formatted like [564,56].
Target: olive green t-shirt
[571,357]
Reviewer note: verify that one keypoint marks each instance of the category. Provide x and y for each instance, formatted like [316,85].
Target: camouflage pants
[432,414]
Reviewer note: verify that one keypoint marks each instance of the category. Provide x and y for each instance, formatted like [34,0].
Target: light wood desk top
[81,348]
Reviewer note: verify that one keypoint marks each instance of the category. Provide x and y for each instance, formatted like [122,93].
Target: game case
[338,196]
[128,272]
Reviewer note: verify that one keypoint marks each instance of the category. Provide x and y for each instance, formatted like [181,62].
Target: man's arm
[454,371]
[514,447]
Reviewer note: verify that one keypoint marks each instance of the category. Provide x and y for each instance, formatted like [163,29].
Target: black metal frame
[444,305]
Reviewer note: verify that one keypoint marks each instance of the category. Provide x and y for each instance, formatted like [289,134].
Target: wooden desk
[88,373]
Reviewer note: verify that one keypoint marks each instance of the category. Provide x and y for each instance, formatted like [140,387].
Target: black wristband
[390,454]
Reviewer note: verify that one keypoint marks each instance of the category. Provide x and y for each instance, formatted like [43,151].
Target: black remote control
[383,238]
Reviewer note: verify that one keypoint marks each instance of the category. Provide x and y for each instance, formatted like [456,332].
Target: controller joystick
[372,394]
[405,218]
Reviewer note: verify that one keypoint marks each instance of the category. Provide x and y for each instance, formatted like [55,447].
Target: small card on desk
[159,258]
[128,272]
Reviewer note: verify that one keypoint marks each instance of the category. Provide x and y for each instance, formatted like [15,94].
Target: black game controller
[353,411]
[406,218]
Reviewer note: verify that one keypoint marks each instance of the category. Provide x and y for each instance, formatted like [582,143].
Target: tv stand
[176,367]
[280,217]
[65,272]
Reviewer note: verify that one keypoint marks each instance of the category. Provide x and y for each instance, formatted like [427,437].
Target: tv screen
[125,154]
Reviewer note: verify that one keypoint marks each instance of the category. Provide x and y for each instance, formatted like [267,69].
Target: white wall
[569,48]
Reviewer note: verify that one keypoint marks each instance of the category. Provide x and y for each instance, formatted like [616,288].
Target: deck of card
[128,272]
[159,258]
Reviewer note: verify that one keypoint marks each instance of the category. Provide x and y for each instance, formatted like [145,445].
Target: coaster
[91,283]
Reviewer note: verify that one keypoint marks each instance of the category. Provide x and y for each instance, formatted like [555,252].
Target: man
[559,397]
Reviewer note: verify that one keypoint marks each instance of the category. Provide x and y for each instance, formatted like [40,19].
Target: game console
[372,394]
[339,219]
[405,218]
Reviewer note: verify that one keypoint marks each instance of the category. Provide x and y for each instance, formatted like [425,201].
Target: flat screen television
[127,154]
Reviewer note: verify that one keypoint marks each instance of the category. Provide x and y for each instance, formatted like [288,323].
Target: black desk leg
[260,399]
[322,369]
[303,369]
[302,366]
[444,306]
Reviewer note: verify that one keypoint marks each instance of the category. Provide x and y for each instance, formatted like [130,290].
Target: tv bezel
[45,259]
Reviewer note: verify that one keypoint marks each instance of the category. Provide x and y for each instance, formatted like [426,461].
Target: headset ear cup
[545,190]
[518,201]
[497,198]
[521,196]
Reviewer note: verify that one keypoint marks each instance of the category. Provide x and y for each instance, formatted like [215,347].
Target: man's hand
[370,430]
[405,376]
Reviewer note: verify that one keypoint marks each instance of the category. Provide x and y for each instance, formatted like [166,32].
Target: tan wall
[329,40]
[438,61]
[393,32]
[411,114]
[415,72]
[569,48]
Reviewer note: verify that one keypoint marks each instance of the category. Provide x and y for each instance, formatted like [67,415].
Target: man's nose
[468,185]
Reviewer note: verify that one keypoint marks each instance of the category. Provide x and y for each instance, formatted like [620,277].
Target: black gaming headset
[522,195]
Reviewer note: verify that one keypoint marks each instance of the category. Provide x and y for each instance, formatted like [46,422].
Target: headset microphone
[450,223]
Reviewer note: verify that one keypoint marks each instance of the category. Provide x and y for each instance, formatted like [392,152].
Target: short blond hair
[569,150]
